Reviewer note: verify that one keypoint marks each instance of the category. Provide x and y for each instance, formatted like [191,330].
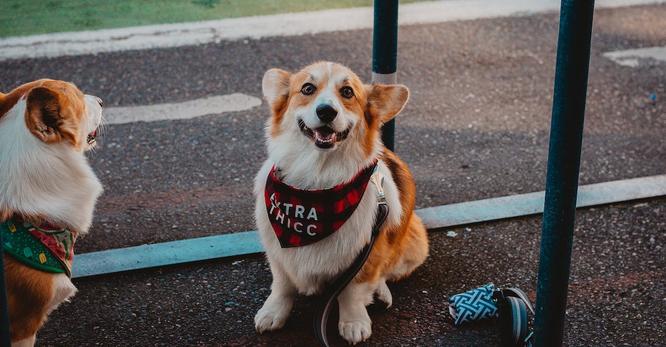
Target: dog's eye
[347,92]
[308,89]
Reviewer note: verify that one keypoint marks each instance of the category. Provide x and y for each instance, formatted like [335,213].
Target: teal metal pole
[566,135]
[385,53]
[5,339]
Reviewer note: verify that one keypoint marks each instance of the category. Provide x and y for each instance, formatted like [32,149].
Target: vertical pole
[566,134]
[5,339]
[385,53]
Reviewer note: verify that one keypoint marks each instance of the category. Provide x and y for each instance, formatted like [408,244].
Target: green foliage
[206,3]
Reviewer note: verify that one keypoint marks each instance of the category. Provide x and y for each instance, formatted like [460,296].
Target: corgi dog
[314,209]
[47,195]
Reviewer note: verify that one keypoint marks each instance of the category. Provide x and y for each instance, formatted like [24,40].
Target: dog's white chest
[310,266]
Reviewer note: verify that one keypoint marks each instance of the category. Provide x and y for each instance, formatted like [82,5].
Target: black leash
[330,296]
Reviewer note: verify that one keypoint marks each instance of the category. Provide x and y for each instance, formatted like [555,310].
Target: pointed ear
[44,118]
[385,101]
[275,85]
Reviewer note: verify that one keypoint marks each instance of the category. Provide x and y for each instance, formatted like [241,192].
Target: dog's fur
[402,244]
[44,176]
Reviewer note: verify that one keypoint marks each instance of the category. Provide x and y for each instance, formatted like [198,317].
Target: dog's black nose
[326,113]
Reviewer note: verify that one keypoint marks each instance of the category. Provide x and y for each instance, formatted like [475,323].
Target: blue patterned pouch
[473,305]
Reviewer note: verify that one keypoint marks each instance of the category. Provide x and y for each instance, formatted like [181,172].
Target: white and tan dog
[325,130]
[46,184]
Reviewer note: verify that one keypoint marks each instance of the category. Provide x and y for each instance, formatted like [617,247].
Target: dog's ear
[45,119]
[385,101]
[275,86]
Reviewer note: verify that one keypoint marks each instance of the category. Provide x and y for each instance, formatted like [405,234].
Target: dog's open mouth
[92,137]
[324,137]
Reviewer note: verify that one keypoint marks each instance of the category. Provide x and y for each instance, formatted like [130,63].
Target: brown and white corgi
[324,136]
[47,194]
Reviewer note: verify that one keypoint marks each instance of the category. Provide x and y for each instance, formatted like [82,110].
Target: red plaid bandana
[301,217]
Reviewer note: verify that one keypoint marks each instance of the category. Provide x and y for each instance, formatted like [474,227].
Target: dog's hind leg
[277,307]
[415,251]
[384,293]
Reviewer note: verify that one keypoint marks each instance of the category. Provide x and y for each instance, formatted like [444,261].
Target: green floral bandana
[44,247]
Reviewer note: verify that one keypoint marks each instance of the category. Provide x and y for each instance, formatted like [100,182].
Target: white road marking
[633,57]
[184,110]
[288,24]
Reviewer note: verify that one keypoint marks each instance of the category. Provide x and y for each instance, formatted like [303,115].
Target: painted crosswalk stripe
[634,57]
[183,110]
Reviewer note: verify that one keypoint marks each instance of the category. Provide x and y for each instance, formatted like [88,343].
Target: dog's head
[45,126]
[57,112]
[329,105]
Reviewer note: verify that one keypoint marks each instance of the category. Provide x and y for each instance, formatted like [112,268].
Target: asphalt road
[476,127]
[616,297]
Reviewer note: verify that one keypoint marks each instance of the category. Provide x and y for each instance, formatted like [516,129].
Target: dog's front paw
[355,331]
[271,316]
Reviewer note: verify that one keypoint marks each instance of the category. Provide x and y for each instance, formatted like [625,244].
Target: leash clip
[378,180]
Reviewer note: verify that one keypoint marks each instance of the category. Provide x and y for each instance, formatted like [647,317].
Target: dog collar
[302,217]
[45,247]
